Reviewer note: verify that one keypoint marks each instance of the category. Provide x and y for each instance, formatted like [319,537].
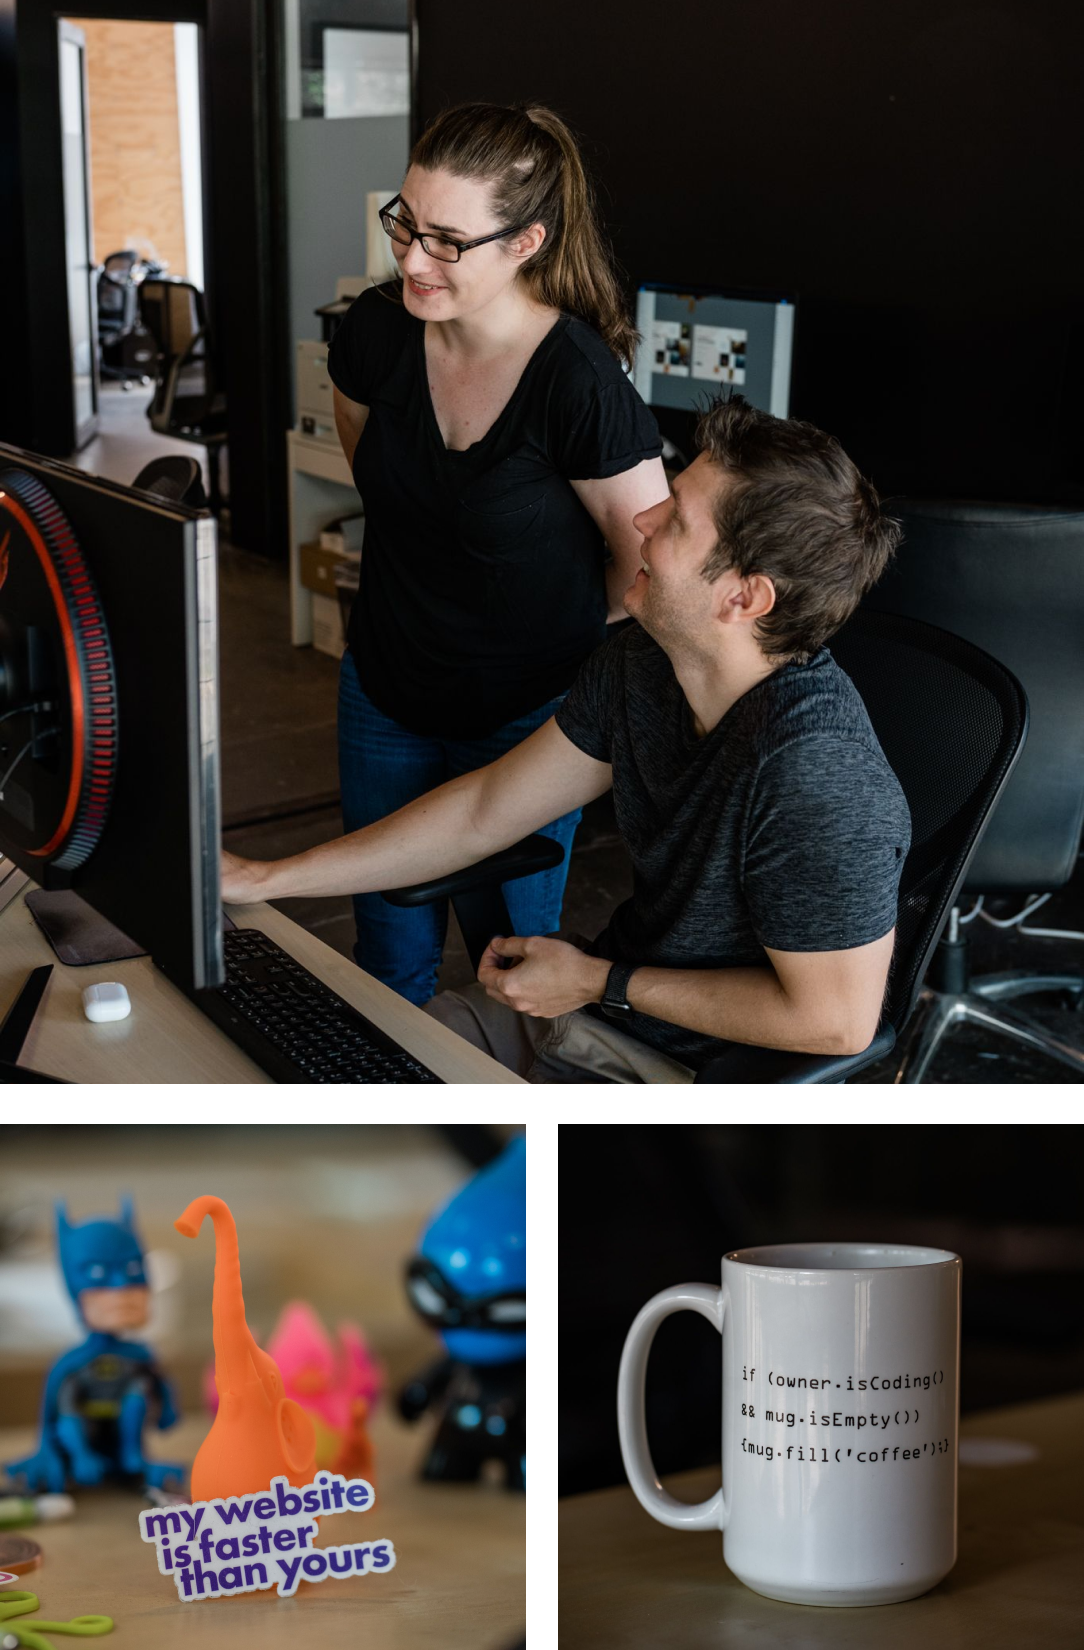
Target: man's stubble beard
[662,621]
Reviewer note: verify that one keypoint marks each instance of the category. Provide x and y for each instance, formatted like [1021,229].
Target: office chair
[951,721]
[1009,578]
[118,299]
[175,477]
[126,348]
[186,402]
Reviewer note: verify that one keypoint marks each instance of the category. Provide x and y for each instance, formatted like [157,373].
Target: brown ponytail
[534,164]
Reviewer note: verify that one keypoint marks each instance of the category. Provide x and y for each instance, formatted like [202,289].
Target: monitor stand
[76,932]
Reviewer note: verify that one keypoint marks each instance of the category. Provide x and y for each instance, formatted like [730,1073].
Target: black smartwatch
[615,1003]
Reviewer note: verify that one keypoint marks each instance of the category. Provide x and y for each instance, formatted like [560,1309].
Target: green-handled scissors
[30,1634]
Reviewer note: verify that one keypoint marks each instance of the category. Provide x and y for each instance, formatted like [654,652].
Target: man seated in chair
[766,829]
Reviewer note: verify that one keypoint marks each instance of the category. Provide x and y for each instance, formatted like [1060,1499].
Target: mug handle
[631,1423]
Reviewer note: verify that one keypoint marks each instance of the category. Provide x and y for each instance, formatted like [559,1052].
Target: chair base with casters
[951,997]
[128,357]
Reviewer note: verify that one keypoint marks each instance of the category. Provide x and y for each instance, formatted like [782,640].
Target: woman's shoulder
[369,340]
[583,352]
[380,309]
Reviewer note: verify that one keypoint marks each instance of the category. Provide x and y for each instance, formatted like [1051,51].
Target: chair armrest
[745,1064]
[534,853]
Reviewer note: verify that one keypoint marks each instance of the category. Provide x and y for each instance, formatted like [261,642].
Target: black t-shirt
[784,827]
[482,577]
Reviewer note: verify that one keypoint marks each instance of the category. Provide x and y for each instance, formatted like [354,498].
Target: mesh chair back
[118,298]
[172,312]
[119,265]
[1010,578]
[951,721]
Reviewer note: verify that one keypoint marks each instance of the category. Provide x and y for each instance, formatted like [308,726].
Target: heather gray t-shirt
[784,827]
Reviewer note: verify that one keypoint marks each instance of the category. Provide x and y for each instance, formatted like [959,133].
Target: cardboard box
[318,566]
[327,626]
[346,536]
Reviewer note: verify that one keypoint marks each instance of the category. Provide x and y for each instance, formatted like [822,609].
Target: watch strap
[615,1002]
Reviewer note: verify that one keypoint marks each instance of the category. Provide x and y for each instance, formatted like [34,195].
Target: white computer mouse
[107,1001]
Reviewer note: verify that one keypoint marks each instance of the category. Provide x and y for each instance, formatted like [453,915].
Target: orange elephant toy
[258,1433]
[337,1383]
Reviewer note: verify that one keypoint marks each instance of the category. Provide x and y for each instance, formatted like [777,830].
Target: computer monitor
[109,780]
[699,342]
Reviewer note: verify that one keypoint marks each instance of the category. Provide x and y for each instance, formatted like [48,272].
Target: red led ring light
[88,673]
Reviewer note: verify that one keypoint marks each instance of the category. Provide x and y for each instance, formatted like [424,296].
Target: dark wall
[642,1208]
[911,168]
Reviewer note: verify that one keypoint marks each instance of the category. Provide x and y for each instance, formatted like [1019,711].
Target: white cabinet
[321,489]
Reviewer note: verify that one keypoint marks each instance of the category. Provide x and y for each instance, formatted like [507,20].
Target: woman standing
[500,452]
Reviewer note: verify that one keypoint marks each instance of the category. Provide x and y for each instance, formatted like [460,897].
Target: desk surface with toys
[458,1579]
[371,1478]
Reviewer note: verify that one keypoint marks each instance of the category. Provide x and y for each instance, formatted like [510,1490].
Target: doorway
[78,242]
[131,110]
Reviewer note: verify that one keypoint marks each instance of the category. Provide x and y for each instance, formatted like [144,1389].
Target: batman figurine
[98,1396]
[469,1283]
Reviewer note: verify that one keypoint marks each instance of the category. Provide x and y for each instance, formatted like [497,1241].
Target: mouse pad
[76,932]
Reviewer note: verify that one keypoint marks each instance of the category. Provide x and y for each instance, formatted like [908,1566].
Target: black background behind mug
[645,1207]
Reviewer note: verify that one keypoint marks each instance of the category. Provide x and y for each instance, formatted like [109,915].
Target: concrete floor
[280,786]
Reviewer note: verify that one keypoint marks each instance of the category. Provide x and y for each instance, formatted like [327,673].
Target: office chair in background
[126,348]
[175,477]
[951,721]
[187,403]
[1009,578]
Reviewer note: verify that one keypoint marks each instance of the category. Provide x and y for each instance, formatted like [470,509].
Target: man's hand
[243,880]
[541,977]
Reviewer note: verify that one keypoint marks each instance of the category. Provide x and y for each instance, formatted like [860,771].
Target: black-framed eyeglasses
[436,246]
[436,1299]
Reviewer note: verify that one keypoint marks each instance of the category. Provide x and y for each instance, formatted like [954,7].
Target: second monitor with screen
[697,343]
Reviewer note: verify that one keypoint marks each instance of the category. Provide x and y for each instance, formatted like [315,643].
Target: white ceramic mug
[840,1407]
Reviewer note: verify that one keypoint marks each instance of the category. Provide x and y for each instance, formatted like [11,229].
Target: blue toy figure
[469,1282]
[97,1396]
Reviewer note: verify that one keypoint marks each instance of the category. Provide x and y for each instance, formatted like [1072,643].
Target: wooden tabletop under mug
[840,1409]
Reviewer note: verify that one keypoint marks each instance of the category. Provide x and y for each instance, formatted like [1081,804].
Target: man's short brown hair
[800,513]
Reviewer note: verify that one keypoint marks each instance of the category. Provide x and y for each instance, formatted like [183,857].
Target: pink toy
[337,1386]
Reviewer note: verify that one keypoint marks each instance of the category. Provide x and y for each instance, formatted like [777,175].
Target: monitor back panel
[154,874]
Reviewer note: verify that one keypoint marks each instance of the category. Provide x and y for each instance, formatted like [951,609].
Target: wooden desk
[1018,1582]
[457,1584]
[166,1039]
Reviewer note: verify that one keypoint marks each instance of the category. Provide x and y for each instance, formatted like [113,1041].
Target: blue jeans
[382,766]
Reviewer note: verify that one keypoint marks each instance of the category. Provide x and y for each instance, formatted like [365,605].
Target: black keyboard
[295,1027]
